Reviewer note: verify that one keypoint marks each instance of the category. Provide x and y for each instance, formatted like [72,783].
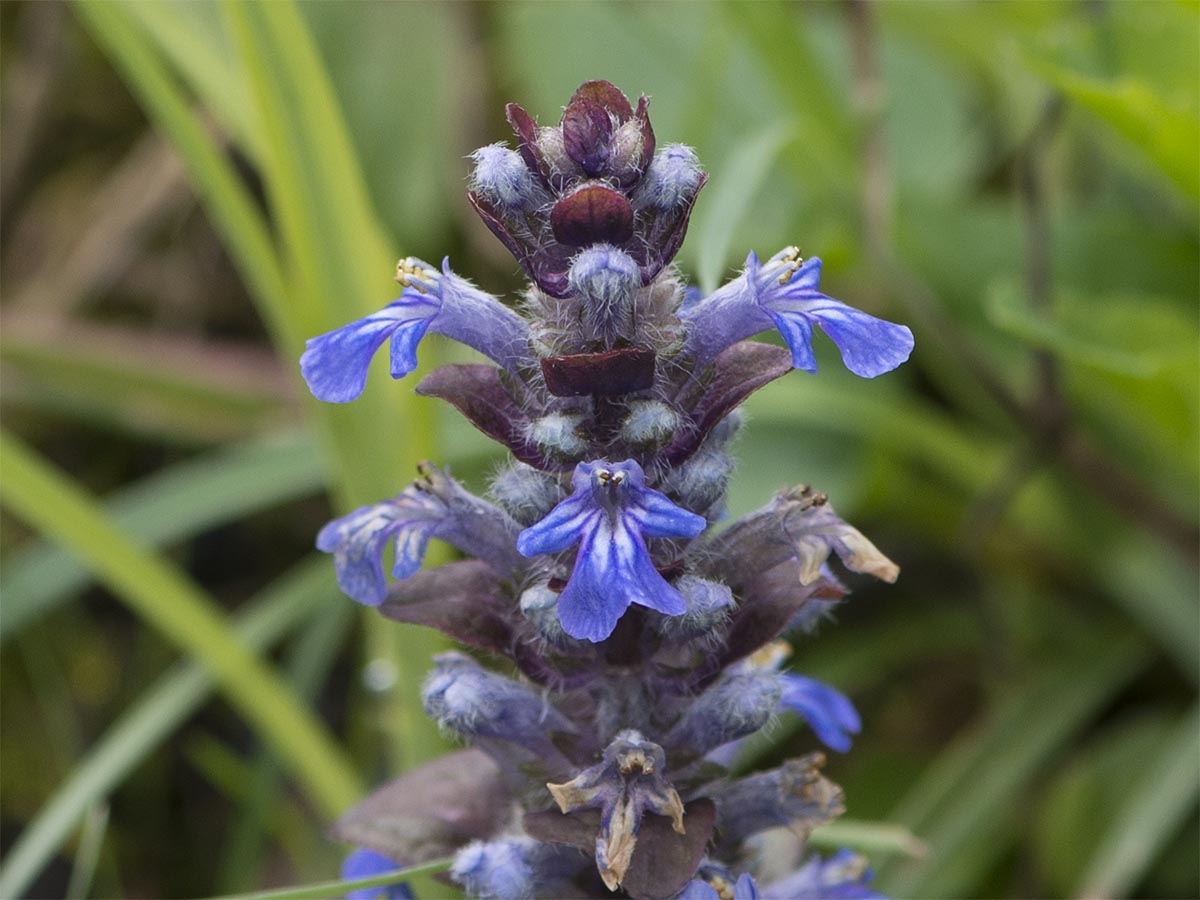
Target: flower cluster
[643,642]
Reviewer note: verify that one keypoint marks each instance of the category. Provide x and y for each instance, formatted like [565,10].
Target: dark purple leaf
[621,371]
[577,829]
[587,135]
[604,94]
[526,130]
[459,599]
[661,236]
[543,259]
[771,600]
[479,394]
[431,810]
[663,860]
[594,214]
[738,372]
[643,116]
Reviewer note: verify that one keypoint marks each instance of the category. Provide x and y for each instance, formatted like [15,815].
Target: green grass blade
[744,174]
[309,662]
[95,826]
[1159,799]
[169,602]
[340,888]
[336,254]
[176,503]
[191,37]
[225,198]
[178,390]
[149,721]
[872,838]
[1165,133]
[338,260]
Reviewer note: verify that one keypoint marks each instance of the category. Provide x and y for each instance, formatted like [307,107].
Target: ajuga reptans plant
[625,640]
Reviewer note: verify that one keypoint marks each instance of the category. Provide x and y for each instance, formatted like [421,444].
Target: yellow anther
[410,273]
[770,656]
[792,261]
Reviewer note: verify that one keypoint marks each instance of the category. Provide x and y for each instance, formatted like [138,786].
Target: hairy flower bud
[501,175]
[558,435]
[472,702]
[734,707]
[795,795]
[525,493]
[671,181]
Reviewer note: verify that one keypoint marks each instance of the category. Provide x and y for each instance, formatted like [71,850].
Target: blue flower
[434,506]
[357,542]
[844,876]
[366,863]
[335,364]
[698,890]
[783,293]
[828,712]
[609,516]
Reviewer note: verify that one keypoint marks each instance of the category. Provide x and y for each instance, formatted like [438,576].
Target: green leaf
[1135,336]
[95,825]
[309,661]
[172,604]
[1157,801]
[961,805]
[1157,590]
[1132,373]
[1165,133]
[176,503]
[409,141]
[335,253]
[1080,802]
[151,719]
[333,261]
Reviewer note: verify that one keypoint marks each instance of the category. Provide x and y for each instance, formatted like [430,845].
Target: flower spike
[783,293]
[617,390]
[609,516]
[335,364]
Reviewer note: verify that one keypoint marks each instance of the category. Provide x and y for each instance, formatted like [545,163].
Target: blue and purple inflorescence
[643,645]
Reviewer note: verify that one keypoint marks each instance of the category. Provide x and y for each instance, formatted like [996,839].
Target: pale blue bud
[734,707]
[525,493]
[649,423]
[672,179]
[502,177]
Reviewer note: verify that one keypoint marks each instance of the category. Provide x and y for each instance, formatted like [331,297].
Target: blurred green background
[188,191]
